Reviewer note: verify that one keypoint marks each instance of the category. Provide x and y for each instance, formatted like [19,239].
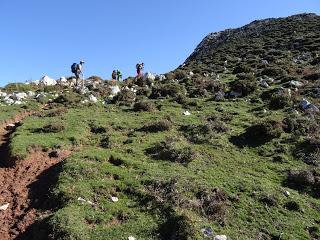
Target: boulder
[20,96]
[114,90]
[31,94]
[304,104]
[296,84]
[62,81]
[162,77]
[312,108]
[149,77]
[9,101]
[3,94]
[264,84]
[221,237]
[47,81]
[93,99]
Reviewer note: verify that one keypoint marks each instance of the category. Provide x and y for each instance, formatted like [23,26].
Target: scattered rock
[304,104]
[296,84]
[4,207]
[47,81]
[221,237]
[207,232]
[149,77]
[264,84]
[187,113]
[114,199]
[93,99]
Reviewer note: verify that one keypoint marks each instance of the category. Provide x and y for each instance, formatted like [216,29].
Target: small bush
[268,200]
[144,106]
[246,84]
[213,204]
[274,72]
[241,69]
[292,206]
[204,133]
[167,90]
[268,130]
[125,97]
[301,179]
[309,151]
[53,128]
[179,74]
[68,99]
[181,99]
[158,126]
[178,227]
[170,150]
[301,125]
[279,101]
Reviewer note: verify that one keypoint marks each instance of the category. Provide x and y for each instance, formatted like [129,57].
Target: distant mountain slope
[284,42]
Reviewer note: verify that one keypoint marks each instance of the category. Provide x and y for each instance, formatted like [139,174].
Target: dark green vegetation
[228,166]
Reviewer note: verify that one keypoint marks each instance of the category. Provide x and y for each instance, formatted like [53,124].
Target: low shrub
[279,101]
[144,106]
[53,128]
[246,84]
[268,130]
[204,133]
[213,204]
[167,90]
[171,150]
[157,126]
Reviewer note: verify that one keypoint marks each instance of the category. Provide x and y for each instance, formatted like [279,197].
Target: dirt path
[24,186]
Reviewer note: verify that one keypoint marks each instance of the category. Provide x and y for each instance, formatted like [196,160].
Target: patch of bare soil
[24,186]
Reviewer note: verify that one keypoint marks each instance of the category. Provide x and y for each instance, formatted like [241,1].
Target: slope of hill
[226,146]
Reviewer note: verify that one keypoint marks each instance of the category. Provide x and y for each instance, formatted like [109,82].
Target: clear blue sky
[41,37]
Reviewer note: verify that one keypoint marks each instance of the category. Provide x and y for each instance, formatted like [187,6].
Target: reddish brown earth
[24,186]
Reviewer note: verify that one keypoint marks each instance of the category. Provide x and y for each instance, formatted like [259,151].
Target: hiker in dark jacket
[119,75]
[139,68]
[76,69]
[114,75]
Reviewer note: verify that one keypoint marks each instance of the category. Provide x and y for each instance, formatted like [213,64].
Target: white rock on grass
[114,90]
[221,237]
[47,81]
[296,83]
[20,96]
[149,77]
[187,113]
[114,199]
[3,94]
[4,207]
[93,99]
[131,238]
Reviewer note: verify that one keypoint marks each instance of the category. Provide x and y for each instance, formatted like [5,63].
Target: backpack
[74,68]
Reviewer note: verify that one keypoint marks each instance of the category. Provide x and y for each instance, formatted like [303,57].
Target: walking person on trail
[76,69]
[114,75]
[139,68]
[119,75]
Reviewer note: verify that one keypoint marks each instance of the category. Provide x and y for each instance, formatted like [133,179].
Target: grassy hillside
[244,166]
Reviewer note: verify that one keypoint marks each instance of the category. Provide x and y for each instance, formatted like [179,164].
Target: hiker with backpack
[114,75]
[119,75]
[139,68]
[76,69]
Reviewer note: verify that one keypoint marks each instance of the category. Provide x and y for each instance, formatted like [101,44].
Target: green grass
[242,173]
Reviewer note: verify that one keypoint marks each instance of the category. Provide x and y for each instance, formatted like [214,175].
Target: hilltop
[224,147]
